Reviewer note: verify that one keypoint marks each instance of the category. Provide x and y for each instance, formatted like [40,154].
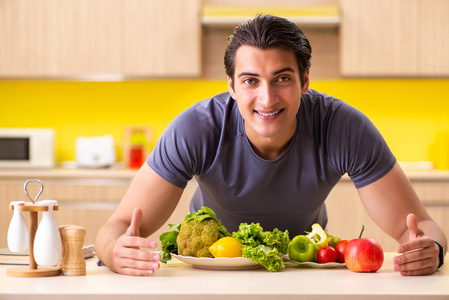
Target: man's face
[268,91]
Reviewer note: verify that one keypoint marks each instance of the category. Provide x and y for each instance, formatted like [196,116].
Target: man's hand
[128,258]
[419,254]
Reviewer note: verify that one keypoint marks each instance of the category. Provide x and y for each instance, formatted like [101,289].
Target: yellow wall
[409,113]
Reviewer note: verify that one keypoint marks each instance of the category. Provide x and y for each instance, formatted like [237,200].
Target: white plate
[221,263]
[315,265]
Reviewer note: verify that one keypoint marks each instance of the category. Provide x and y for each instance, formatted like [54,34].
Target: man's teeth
[268,114]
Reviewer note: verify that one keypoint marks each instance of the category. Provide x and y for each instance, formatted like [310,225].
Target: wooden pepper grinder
[73,263]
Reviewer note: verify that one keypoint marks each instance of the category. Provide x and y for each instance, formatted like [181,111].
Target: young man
[269,151]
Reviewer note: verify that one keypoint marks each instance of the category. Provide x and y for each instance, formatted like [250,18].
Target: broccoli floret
[195,238]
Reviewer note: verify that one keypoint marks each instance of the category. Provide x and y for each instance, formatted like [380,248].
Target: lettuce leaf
[264,247]
[267,256]
[277,239]
[169,243]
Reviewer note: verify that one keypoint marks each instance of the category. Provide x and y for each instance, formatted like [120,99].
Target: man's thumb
[136,220]
[412,225]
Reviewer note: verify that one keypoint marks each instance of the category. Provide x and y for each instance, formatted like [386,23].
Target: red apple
[340,248]
[364,255]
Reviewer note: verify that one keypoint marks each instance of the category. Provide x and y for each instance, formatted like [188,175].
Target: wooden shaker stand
[32,270]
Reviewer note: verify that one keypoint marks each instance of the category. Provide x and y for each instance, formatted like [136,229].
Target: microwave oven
[26,148]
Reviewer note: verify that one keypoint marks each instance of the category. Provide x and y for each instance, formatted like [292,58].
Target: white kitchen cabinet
[395,38]
[99,38]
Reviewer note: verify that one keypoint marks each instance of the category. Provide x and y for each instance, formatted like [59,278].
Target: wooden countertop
[177,279]
[121,173]
[117,173]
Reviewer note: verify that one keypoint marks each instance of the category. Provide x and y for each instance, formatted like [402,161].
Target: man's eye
[249,81]
[284,79]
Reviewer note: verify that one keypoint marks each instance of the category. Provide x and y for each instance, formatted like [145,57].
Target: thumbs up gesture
[133,229]
[129,259]
[419,255]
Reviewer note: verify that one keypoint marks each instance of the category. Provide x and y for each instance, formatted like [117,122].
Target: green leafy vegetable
[277,239]
[169,244]
[267,256]
[264,247]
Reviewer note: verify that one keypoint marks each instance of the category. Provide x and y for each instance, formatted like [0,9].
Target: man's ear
[231,88]
[305,87]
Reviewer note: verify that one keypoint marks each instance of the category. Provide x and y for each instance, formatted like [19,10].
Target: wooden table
[177,279]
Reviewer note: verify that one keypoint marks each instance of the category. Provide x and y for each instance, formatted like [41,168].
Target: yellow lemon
[226,247]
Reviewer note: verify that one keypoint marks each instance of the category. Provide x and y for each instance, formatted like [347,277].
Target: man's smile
[268,114]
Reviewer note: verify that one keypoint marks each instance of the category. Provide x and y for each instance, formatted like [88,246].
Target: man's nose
[267,95]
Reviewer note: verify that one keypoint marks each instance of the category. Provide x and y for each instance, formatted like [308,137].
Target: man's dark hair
[267,31]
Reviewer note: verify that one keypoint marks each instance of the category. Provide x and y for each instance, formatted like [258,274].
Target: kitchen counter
[178,279]
[121,173]
[117,173]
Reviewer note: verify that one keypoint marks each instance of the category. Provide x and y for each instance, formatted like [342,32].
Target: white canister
[18,236]
[47,242]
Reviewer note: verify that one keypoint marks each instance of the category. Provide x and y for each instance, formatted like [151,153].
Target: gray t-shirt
[207,141]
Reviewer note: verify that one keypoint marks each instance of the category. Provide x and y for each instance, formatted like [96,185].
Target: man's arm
[148,203]
[395,207]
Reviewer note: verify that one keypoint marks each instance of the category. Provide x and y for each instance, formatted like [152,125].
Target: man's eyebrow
[287,69]
[248,74]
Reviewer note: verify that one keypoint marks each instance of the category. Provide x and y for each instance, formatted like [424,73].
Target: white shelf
[310,16]
[322,22]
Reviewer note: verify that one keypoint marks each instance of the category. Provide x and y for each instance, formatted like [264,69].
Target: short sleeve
[168,157]
[187,146]
[357,148]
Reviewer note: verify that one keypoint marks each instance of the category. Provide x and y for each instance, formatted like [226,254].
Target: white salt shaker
[47,243]
[18,236]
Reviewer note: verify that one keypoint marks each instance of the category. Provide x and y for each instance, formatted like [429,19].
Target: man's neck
[270,150]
